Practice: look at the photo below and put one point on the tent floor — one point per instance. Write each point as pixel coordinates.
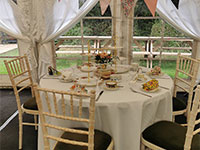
(9, 135)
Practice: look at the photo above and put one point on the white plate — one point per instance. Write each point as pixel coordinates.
(87, 69)
(159, 75)
(140, 79)
(91, 82)
(110, 89)
(121, 69)
(152, 91)
(65, 80)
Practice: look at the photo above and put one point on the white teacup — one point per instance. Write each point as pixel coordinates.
(134, 66)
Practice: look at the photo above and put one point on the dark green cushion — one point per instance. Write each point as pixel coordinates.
(169, 135)
(178, 104)
(181, 119)
(31, 104)
(101, 140)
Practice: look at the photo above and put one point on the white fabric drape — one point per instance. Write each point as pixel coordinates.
(185, 19)
(35, 23)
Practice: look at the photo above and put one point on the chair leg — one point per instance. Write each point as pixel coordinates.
(142, 146)
(20, 130)
(35, 121)
(173, 118)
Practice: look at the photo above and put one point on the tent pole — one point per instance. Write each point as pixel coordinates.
(196, 55)
(53, 53)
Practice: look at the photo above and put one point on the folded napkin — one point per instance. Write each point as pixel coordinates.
(67, 75)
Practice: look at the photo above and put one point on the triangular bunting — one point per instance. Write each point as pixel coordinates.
(176, 3)
(127, 6)
(151, 4)
(104, 5)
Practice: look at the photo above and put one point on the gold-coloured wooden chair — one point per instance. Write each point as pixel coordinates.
(20, 76)
(185, 80)
(52, 104)
(172, 136)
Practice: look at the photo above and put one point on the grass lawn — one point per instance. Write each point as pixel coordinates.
(168, 67)
(10, 53)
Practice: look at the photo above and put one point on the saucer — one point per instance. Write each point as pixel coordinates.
(90, 83)
(87, 69)
(151, 75)
(110, 89)
(65, 80)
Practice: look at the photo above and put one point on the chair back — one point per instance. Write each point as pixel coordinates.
(20, 75)
(185, 76)
(193, 120)
(52, 105)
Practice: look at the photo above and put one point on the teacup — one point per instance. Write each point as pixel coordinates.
(140, 76)
(134, 66)
(111, 84)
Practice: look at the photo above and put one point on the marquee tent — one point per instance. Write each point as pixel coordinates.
(36, 23)
(185, 19)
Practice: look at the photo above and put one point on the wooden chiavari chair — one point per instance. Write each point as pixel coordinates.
(185, 79)
(20, 76)
(52, 105)
(172, 136)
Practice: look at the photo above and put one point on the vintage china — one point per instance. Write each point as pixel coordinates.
(87, 82)
(121, 69)
(134, 66)
(140, 77)
(103, 73)
(86, 68)
(151, 75)
(111, 84)
(110, 89)
(65, 80)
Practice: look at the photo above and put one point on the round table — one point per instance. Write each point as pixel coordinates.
(124, 113)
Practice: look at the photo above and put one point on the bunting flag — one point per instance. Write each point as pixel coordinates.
(151, 4)
(104, 5)
(176, 3)
(127, 6)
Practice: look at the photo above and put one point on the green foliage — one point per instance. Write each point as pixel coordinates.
(142, 27)
(96, 11)
(169, 31)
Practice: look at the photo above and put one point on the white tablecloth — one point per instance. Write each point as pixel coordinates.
(123, 113)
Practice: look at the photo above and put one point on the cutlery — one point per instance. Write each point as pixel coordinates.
(164, 87)
(99, 95)
(140, 93)
(50, 78)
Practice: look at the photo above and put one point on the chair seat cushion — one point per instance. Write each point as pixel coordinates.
(101, 140)
(31, 104)
(178, 104)
(169, 135)
(181, 119)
